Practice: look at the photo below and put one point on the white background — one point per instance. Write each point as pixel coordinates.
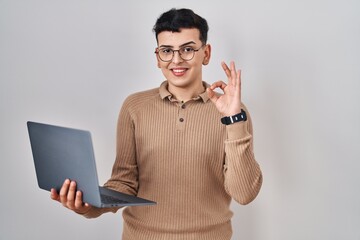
(73, 62)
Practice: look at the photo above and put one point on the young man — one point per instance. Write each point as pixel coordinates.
(182, 145)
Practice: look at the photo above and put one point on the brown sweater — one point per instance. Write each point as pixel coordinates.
(181, 156)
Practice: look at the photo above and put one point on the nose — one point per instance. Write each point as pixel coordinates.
(177, 58)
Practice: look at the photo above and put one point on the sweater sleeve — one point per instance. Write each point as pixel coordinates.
(243, 177)
(124, 177)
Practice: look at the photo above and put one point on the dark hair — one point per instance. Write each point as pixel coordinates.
(175, 19)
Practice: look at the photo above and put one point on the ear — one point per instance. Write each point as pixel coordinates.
(157, 59)
(207, 53)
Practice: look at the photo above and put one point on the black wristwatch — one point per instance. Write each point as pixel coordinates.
(235, 118)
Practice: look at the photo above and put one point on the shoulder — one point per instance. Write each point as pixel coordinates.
(140, 100)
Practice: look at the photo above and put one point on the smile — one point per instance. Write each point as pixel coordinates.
(179, 71)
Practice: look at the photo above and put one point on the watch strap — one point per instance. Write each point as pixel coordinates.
(235, 118)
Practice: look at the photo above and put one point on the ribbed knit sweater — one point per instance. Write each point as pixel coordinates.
(181, 156)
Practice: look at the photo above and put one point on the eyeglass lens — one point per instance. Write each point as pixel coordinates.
(167, 54)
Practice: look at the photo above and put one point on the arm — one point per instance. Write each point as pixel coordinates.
(243, 177)
(124, 174)
(124, 177)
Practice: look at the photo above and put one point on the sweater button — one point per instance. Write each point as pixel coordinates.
(181, 119)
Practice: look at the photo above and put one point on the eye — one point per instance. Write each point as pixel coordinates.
(165, 50)
(187, 50)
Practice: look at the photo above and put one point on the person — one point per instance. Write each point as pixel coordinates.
(182, 144)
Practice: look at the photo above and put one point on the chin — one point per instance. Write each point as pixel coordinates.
(182, 83)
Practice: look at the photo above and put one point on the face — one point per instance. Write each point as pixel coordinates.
(178, 72)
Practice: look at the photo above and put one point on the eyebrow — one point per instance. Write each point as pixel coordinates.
(182, 45)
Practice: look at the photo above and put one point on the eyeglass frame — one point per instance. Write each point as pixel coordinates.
(178, 50)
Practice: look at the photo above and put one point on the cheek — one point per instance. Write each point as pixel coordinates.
(164, 71)
(197, 64)
(158, 62)
(162, 65)
(199, 59)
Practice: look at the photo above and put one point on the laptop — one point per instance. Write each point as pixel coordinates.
(61, 153)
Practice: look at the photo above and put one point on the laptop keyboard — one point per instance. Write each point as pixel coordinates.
(109, 199)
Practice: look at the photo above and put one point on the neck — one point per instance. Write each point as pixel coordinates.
(186, 93)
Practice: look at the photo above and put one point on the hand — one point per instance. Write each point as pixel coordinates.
(70, 198)
(229, 103)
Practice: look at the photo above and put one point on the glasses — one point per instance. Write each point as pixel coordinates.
(167, 54)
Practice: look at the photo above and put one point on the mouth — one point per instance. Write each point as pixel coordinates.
(179, 71)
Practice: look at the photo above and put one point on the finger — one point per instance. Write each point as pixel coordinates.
(80, 206)
(238, 79)
(218, 84)
(78, 200)
(212, 95)
(79, 203)
(230, 72)
(71, 195)
(64, 191)
(54, 195)
(233, 72)
(226, 69)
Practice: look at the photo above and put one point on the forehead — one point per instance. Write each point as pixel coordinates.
(178, 38)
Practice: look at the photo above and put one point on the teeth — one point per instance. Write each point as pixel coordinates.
(179, 70)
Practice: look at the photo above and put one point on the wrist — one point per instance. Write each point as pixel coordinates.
(239, 117)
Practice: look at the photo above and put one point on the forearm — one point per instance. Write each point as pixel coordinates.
(243, 177)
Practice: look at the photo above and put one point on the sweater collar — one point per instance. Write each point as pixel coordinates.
(164, 92)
